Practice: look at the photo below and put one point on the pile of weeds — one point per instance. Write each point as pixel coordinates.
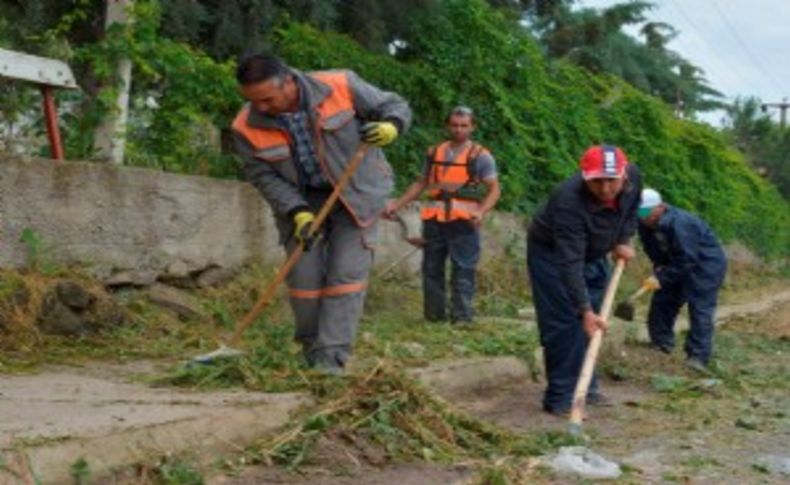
(275, 365)
(273, 361)
(21, 296)
(386, 409)
(151, 332)
(20, 299)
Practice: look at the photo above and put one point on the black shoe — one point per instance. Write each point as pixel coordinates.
(329, 371)
(695, 364)
(559, 412)
(326, 364)
(600, 400)
(434, 319)
(666, 349)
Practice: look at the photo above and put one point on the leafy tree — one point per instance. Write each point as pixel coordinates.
(227, 28)
(536, 114)
(765, 144)
(595, 39)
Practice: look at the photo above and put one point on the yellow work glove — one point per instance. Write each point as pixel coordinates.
(651, 283)
(302, 222)
(379, 133)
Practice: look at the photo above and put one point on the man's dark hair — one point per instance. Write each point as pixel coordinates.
(260, 67)
(461, 110)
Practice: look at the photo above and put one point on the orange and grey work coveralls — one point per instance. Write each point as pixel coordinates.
(327, 286)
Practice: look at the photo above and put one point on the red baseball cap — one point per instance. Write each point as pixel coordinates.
(603, 161)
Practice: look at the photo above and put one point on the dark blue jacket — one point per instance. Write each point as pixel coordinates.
(578, 229)
(683, 248)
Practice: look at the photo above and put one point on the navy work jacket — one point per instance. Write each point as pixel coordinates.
(683, 248)
(579, 229)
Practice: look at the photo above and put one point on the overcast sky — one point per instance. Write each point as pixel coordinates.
(742, 45)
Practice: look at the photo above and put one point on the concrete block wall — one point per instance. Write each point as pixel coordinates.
(121, 218)
(145, 223)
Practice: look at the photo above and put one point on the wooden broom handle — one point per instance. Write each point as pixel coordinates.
(583, 384)
(293, 258)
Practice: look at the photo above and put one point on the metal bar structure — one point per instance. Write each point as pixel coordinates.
(51, 119)
(47, 74)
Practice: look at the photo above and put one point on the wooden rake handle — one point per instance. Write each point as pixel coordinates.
(293, 258)
(583, 384)
(641, 291)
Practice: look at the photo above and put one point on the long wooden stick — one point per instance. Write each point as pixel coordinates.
(641, 291)
(293, 258)
(583, 384)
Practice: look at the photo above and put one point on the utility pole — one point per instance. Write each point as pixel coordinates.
(783, 107)
(109, 139)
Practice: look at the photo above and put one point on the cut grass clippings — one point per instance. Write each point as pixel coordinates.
(385, 408)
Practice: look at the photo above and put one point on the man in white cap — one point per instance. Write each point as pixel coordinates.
(688, 267)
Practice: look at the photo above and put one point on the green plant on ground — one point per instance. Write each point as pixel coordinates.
(80, 472)
(386, 408)
(38, 254)
(176, 471)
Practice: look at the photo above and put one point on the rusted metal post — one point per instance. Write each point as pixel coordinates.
(51, 117)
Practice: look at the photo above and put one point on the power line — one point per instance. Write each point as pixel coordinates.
(707, 45)
(743, 46)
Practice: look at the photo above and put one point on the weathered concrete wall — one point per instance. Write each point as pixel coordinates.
(134, 224)
(120, 218)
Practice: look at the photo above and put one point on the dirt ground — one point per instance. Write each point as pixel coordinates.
(401, 474)
(706, 433)
(668, 424)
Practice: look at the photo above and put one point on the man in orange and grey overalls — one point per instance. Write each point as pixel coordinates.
(461, 183)
(296, 135)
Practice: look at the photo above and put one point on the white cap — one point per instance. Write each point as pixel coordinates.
(650, 199)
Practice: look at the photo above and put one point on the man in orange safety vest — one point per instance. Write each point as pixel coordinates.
(460, 181)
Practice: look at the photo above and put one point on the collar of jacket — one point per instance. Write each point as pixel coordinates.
(667, 218)
(312, 92)
(594, 205)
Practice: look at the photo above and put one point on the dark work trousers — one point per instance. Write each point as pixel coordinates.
(561, 333)
(664, 309)
(461, 241)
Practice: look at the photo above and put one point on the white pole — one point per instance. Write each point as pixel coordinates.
(110, 136)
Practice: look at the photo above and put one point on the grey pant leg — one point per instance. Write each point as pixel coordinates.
(305, 282)
(349, 257)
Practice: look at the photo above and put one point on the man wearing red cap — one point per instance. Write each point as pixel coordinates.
(586, 217)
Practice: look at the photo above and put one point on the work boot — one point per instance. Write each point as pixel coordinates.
(462, 322)
(599, 399)
(663, 348)
(558, 412)
(334, 371)
(695, 364)
(327, 365)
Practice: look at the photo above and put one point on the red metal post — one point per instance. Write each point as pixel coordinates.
(51, 117)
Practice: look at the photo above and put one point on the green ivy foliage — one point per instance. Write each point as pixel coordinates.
(539, 116)
(182, 99)
(536, 115)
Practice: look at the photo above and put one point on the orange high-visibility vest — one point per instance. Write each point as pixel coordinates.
(445, 178)
(278, 141)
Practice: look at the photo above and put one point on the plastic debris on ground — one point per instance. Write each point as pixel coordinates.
(580, 460)
(776, 464)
